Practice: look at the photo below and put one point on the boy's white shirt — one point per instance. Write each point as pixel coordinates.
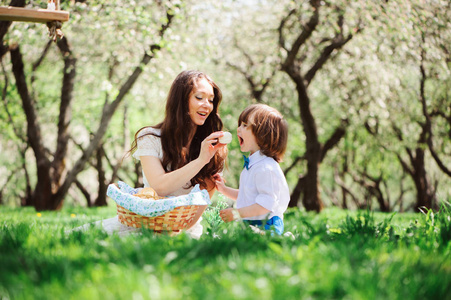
(265, 184)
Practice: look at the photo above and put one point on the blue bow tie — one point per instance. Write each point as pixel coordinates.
(246, 162)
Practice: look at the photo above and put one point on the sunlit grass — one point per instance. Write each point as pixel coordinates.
(336, 254)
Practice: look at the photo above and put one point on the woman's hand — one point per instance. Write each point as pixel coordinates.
(207, 150)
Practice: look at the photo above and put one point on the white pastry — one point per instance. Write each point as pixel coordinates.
(226, 138)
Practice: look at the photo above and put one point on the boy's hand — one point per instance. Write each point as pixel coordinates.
(220, 183)
(229, 214)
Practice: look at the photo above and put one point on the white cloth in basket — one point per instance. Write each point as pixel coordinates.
(153, 208)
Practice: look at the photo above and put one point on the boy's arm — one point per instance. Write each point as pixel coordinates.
(230, 214)
(252, 211)
(230, 192)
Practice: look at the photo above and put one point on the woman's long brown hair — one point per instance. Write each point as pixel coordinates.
(177, 125)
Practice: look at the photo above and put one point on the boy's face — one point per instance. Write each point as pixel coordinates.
(248, 142)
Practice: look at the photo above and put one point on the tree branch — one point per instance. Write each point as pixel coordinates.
(337, 43)
(38, 63)
(302, 38)
(342, 185)
(246, 55)
(84, 191)
(281, 27)
(65, 112)
(334, 138)
(293, 164)
(428, 124)
(404, 165)
(5, 103)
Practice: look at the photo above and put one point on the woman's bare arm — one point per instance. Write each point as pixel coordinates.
(165, 183)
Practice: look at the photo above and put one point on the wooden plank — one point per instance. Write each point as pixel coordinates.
(21, 14)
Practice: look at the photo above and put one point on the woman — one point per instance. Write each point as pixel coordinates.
(183, 150)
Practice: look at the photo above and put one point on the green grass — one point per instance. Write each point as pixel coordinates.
(336, 255)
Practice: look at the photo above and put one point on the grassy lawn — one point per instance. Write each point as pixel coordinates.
(336, 255)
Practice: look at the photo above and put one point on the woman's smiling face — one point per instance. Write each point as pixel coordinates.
(201, 101)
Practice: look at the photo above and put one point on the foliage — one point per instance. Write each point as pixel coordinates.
(335, 254)
(373, 82)
(211, 214)
(97, 94)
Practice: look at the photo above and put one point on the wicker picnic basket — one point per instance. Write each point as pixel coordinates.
(172, 221)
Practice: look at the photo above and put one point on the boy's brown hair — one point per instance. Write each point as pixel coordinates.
(269, 128)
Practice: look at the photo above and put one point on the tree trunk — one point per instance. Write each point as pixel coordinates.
(27, 200)
(425, 195)
(311, 196)
(297, 192)
(383, 204)
(315, 152)
(139, 180)
(43, 191)
(417, 171)
(344, 192)
(101, 197)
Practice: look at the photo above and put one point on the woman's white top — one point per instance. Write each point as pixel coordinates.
(265, 184)
(149, 144)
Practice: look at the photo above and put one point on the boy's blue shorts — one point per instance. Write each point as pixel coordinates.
(275, 223)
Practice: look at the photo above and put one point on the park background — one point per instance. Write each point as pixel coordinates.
(364, 85)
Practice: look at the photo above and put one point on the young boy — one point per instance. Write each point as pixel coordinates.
(263, 195)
